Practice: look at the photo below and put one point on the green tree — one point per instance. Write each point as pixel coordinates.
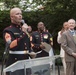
(52, 12)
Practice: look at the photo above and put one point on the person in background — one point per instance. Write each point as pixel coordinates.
(68, 44)
(29, 30)
(38, 37)
(20, 45)
(62, 52)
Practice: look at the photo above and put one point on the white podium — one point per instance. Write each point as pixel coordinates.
(36, 65)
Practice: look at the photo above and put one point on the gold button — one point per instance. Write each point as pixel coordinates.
(15, 58)
(25, 43)
(20, 35)
(25, 47)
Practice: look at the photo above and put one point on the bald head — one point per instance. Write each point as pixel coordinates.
(13, 10)
(16, 15)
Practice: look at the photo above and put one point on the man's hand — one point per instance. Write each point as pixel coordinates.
(32, 54)
(74, 54)
(42, 46)
(24, 28)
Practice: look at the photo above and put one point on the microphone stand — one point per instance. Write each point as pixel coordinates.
(4, 57)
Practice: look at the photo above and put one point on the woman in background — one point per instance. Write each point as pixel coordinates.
(62, 52)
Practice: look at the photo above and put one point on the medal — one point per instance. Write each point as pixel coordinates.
(45, 36)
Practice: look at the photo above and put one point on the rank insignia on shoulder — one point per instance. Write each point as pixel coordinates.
(7, 37)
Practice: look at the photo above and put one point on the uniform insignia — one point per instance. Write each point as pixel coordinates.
(45, 36)
(36, 35)
(7, 37)
(16, 33)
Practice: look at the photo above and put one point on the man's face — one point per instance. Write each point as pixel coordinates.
(29, 29)
(41, 26)
(71, 24)
(16, 16)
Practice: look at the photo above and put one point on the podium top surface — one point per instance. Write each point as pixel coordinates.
(30, 63)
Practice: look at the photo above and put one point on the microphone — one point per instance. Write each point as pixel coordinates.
(24, 24)
(22, 21)
(26, 27)
(7, 46)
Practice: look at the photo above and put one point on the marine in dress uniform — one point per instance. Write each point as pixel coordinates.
(38, 37)
(20, 43)
(19, 52)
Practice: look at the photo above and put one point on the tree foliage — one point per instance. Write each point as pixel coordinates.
(52, 12)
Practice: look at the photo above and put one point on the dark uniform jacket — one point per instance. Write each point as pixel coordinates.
(37, 38)
(23, 43)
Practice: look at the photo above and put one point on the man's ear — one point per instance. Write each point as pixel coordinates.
(11, 17)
